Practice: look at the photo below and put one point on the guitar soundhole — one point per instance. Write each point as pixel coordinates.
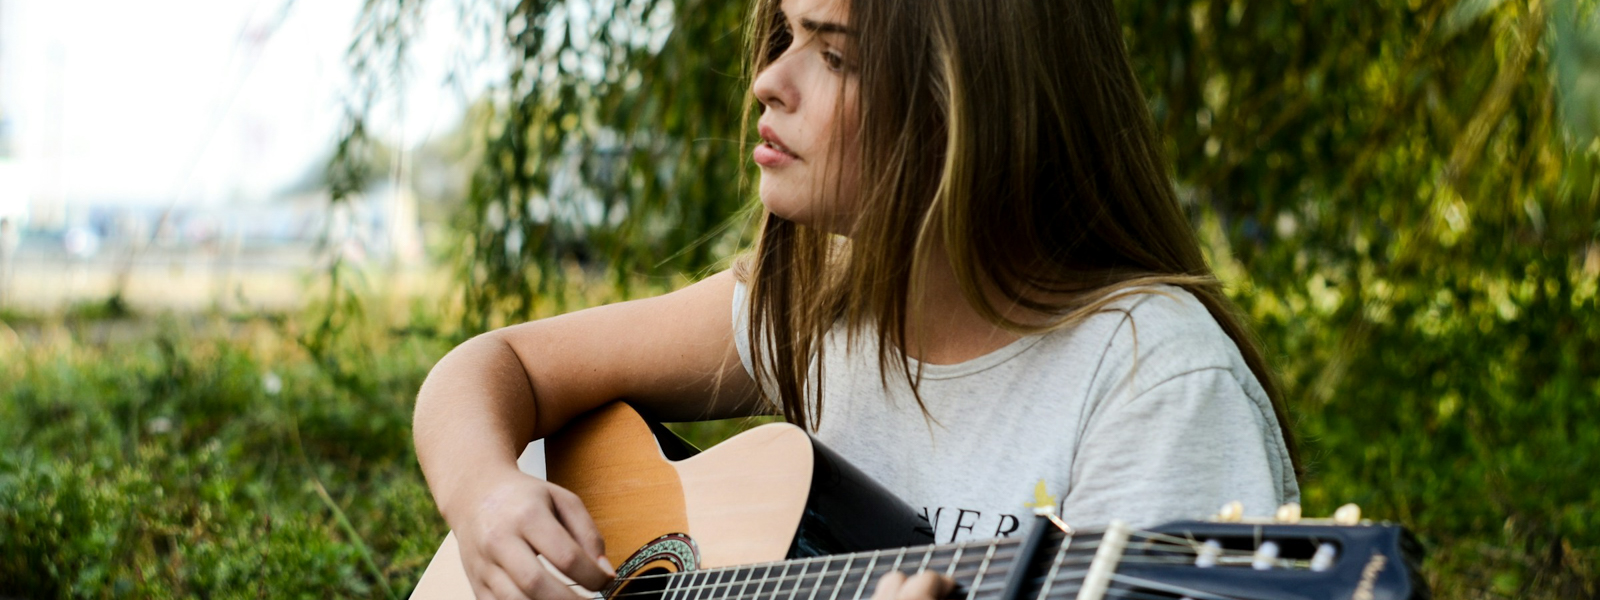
(645, 574)
(647, 584)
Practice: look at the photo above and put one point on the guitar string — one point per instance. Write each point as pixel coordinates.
(1068, 590)
(1080, 552)
(859, 578)
(936, 563)
(1177, 546)
(1151, 542)
(1010, 548)
(848, 577)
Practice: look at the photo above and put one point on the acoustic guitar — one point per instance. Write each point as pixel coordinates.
(770, 514)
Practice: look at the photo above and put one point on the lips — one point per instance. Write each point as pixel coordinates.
(773, 152)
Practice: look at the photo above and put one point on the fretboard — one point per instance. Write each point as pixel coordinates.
(981, 569)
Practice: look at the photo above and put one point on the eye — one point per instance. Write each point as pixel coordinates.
(834, 60)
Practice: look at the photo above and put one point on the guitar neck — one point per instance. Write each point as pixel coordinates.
(980, 568)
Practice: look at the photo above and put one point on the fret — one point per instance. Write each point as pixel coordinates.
(673, 589)
(820, 575)
(898, 558)
(694, 587)
(799, 579)
(710, 591)
(777, 586)
(1055, 566)
(982, 569)
(766, 576)
(867, 575)
(925, 558)
(748, 577)
(744, 584)
(955, 560)
(843, 573)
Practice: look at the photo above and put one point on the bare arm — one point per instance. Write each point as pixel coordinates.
(672, 355)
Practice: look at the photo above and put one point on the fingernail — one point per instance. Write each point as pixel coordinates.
(605, 565)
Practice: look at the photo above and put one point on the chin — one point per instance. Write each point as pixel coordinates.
(785, 203)
(799, 206)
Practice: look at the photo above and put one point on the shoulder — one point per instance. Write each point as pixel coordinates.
(1156, 333)
(1169, 367)
(1161, 339)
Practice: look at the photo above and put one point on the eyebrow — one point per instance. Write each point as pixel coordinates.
(816, 27)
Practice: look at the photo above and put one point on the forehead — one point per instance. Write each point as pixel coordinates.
(834, 11)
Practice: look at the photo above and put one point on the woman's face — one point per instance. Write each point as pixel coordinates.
(809, 127)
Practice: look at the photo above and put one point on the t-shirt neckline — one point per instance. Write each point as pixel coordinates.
(981, 363)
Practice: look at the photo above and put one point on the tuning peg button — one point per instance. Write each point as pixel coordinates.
(1347, 515)
(1232, 512)
(1289, 513)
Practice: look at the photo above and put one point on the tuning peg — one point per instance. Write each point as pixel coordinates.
(1347, 515)
(1266, 556)
(1323, 559)
(1206, 557)
(1289, 513)
(1232, 512)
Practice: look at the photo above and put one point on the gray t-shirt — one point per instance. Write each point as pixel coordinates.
(1064, 418)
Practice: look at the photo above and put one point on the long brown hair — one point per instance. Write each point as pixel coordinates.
(1012, 135)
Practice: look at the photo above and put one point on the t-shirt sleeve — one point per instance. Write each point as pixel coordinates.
(1178, 450)
(741, 326)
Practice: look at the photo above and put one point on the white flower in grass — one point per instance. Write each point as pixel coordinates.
(272, 383)
(159, 425)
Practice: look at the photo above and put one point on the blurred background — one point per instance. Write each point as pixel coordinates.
(234, 235)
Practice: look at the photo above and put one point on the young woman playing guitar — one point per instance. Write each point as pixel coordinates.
(974, 281)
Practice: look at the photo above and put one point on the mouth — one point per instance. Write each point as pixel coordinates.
(771, 140)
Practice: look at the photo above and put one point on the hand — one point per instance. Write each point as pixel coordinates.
(515, 518)
(926, 585)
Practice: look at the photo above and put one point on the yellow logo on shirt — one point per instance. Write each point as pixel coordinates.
(1041, 497)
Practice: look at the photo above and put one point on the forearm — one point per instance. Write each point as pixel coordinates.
(475, 413)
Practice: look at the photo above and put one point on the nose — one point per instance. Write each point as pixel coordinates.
(774, 87)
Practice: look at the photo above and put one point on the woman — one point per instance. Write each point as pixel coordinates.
(973, 281)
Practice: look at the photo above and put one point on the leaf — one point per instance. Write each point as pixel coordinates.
(1464, 14)
(1575, 59)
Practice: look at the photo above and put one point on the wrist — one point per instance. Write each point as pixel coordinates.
(465, 495)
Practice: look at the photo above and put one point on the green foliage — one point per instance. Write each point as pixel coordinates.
(612, 138)
(187, 462)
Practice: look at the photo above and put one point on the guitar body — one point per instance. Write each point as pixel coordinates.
(768, 494)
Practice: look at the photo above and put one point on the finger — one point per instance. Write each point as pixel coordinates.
(575, 516)
(480, 589)
(926, 585)
(889, 586)
(499, 587)
(552, 541)
(530, 577)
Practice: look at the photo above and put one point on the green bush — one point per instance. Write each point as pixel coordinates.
(187, 462)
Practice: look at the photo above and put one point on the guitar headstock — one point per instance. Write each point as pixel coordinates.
(1284, 557)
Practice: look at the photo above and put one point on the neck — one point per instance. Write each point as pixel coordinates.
(853, 576)
(945, 328)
